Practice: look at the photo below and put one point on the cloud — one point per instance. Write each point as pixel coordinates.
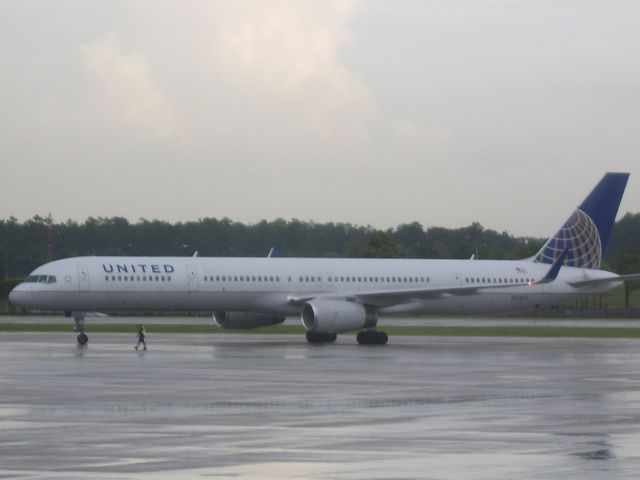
(259, 98)
(285, 56)
(127, 92)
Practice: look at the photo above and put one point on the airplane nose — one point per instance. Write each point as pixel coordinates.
(17, 296)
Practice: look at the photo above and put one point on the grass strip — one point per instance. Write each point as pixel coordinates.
(455, 331)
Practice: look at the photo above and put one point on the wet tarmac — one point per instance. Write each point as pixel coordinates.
(272, 406)
(434, 321)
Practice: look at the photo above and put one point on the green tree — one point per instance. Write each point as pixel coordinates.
(626, 263)
(382, 245)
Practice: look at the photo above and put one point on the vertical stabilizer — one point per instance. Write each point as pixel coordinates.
(584, 236)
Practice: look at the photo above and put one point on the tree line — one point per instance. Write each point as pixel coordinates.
(24, 245)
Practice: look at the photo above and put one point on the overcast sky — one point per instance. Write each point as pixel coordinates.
(370, 112)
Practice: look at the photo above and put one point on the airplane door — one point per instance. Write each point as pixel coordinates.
(457, 279)
(192, 272)
(83, 277)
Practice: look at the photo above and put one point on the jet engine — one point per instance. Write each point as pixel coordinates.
(244, 320)
(335, 316)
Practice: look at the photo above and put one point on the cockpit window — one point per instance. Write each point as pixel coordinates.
(40, 279)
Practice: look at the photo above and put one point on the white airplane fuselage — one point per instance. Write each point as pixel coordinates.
(278, 286)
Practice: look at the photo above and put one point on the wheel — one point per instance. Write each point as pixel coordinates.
(82, 339)
(372, 337)
(321, 337)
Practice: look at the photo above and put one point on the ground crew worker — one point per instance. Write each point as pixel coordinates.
(141, 334)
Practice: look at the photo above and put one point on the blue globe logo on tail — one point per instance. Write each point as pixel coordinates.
(584, 236)
(580, 238)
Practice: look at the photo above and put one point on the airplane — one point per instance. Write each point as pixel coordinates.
(336, 295)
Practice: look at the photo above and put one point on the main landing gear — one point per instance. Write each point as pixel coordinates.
(372, 337)
(321, 337)
(365, 337)
(78, 317)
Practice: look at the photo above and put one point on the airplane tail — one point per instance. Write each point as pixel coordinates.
(583, 237)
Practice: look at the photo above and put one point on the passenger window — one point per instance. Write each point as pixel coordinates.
(106, 278)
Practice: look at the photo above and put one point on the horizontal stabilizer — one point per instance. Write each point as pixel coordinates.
(603, 281)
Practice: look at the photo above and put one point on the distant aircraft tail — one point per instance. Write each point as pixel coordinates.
(584, 236)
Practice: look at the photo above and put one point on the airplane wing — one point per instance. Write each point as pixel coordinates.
(385, 298)
(388, 298)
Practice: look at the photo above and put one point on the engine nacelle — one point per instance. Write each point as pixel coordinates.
(244, 320)
(335, 316)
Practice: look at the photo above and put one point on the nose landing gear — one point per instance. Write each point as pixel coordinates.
(78, 317)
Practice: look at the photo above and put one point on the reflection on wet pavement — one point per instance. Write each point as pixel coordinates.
(274, 407)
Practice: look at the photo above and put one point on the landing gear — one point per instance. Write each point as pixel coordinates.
(372, 337)
(321, 337)
(78, 317)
